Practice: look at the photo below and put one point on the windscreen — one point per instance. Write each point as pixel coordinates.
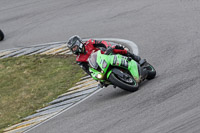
(92, 60)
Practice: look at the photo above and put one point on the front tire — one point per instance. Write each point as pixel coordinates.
(123, 85)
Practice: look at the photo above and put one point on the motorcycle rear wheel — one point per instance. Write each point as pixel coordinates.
(123, 85)
(151, 72)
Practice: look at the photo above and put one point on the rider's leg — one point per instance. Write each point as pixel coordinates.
(136, 58)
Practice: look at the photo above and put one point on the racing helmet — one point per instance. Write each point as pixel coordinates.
(75, 44)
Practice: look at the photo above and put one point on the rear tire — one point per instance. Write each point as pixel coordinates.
(125, 86)
(1, 35)
(151, 72)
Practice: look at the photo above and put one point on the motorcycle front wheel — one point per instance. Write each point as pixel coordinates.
(117, 81)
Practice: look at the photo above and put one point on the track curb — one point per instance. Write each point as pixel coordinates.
(84, 89)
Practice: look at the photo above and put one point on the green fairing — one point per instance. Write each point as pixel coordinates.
(109, 59)
(108, 74)
(133, 68)
(94, 73)
(101, 58)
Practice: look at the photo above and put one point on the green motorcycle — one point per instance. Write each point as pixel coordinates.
(119, 70)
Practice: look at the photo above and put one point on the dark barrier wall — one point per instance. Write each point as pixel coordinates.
(1, 35)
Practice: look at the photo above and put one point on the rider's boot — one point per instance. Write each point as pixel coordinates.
(136, 58)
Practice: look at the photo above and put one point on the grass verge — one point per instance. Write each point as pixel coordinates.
(27, 83)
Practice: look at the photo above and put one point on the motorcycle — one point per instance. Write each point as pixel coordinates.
(118, 70)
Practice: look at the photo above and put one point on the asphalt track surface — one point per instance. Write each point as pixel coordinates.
(167, 33)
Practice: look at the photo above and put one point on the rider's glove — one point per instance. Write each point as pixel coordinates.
(119, 47)
(133, 56)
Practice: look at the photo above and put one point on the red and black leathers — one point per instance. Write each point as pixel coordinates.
(91, 46)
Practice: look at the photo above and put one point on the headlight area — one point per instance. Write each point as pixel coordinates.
(99, 76)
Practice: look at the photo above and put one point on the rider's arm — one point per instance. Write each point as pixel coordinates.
(99, 44)
(119, 49)
(84, 66)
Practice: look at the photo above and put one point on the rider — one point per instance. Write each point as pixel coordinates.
(83, 50)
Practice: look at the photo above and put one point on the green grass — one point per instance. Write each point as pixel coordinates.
(27, 83)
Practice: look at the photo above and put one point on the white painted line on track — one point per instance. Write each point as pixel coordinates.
(43, 44)
(63, 111)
